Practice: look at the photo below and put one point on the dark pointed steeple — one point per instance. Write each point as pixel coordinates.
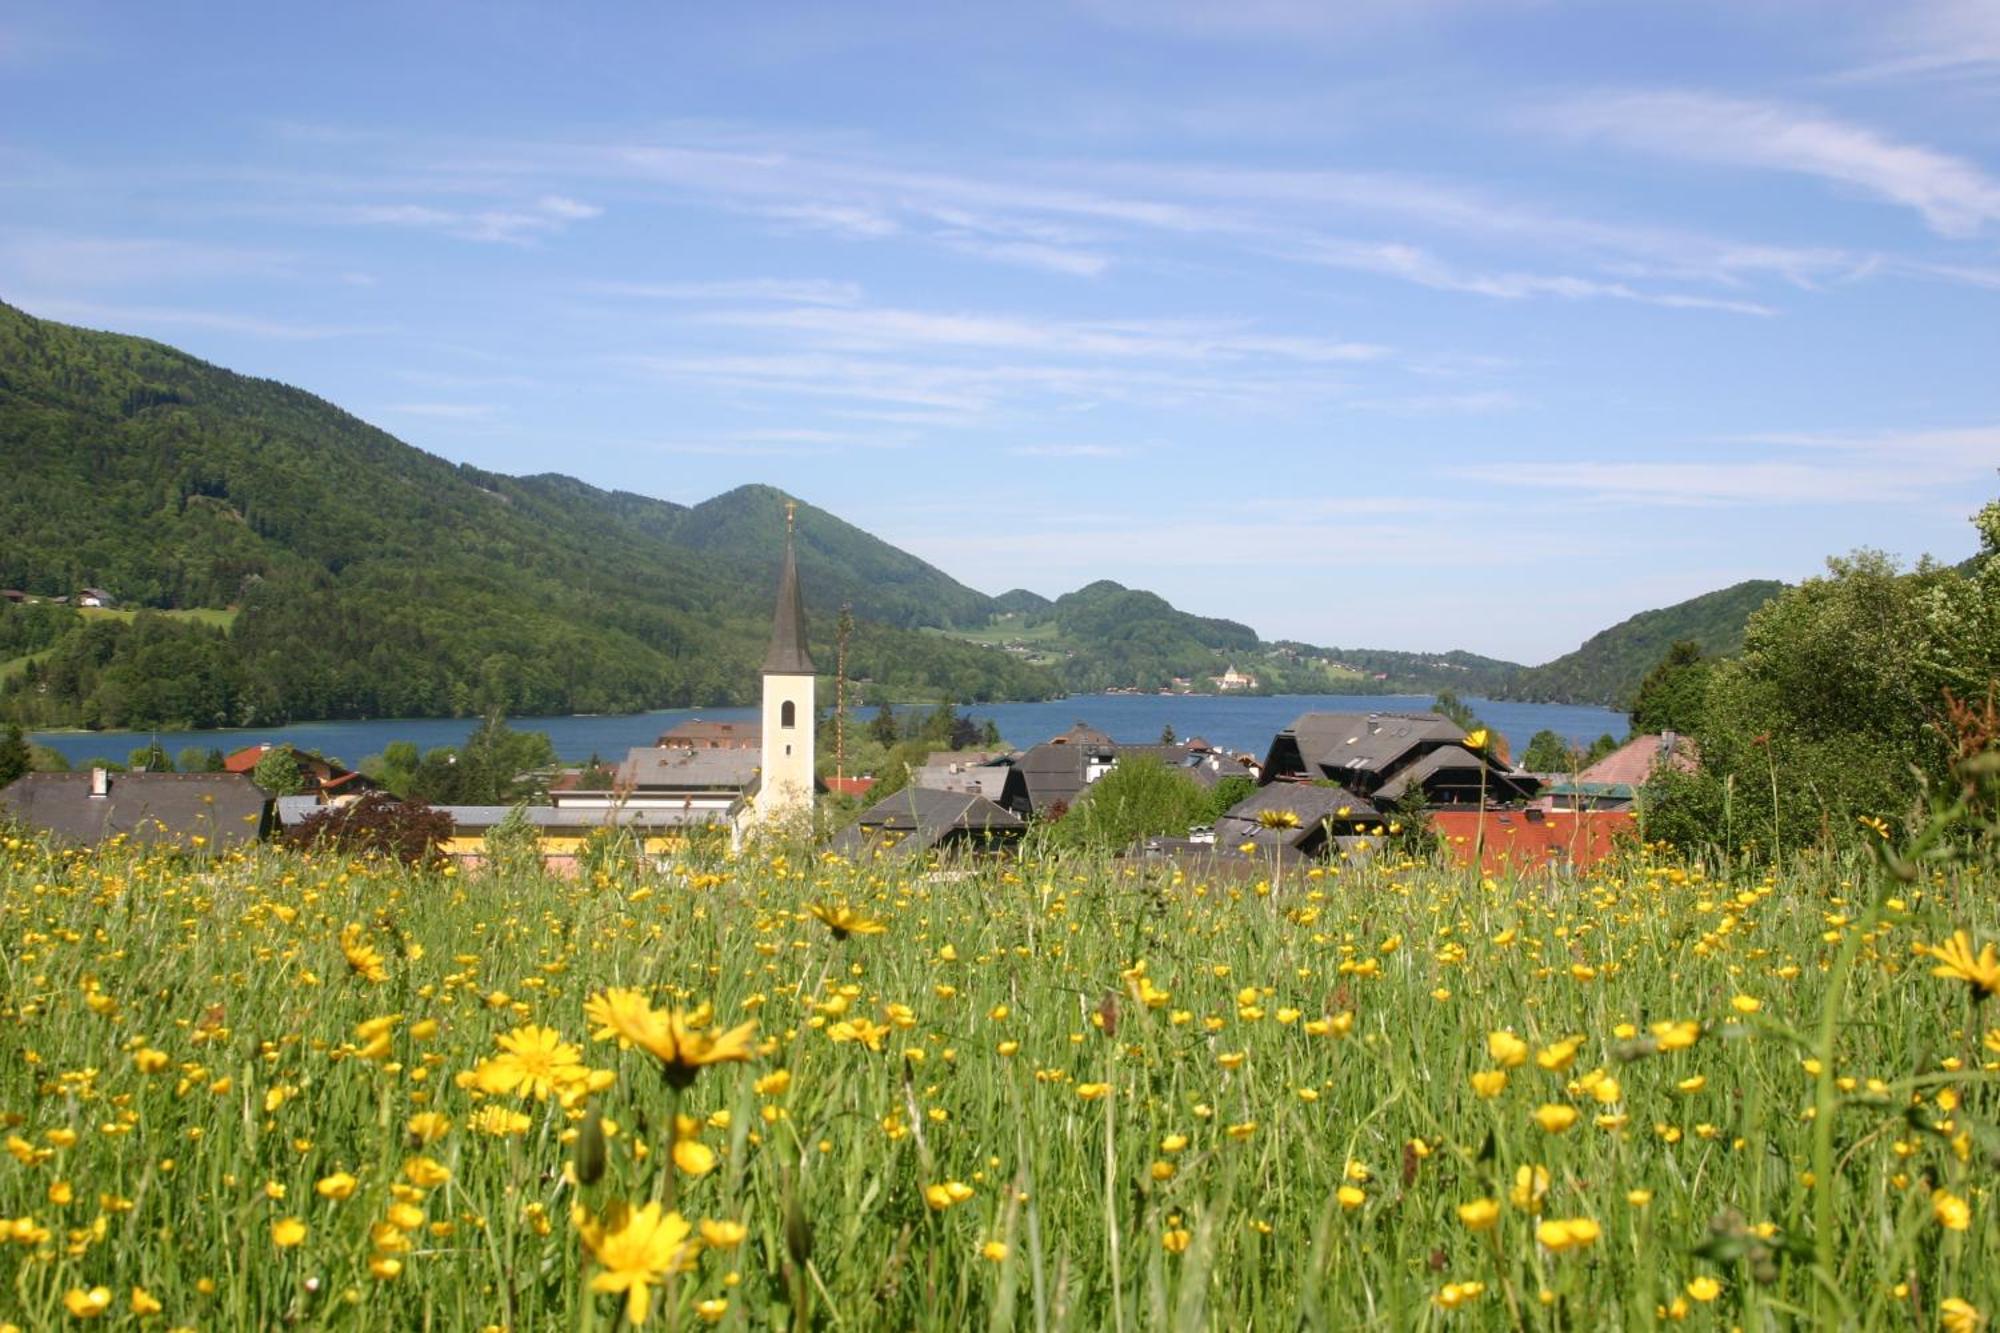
(788, 655)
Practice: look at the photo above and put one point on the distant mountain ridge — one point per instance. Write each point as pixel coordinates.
(366, 578)
(1609, 665)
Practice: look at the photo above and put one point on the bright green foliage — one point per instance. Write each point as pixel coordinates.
(1548, 752)
(1836, 705)
(1673, 695)
(1140, 798)
(1610, 665)
(278, 772)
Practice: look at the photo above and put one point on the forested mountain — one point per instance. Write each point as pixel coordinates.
(1608, 667)
(373, 579)
(1107, 636)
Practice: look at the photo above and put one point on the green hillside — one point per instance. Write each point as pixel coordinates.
(1608, 667)
(1107, 636)
(373, 579)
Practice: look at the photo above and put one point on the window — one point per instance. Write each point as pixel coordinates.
(788, 715)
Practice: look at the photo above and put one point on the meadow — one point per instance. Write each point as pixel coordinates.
(264, 1091)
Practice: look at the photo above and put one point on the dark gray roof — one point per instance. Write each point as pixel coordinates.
(916, 819)
(1367, 742)
(988, 780)
(1313, 805)
(651, 766)
(1445, 758)
(227, 809)
(921, 808)
(788, 655)
(1044, 775)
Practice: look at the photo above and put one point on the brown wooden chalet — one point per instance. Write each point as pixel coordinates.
(1381, 757)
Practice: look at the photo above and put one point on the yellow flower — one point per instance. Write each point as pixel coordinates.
(1952, 1212)
(144, 1303)
(337, 1186)
(363, 960)
(1454, 1294)
(1555, 1118)
(1479, 1214)
(1676, 1036)
(1956, 960)
(532, 1060)
(722, 1235)
(1530, 1184)
(994, 1251)
(1959, 1316)
(1091, 1092)
(1489, 1083)
(287, 1232)
(1507, 1050)
(1704, 1289)
(1558, 1057)
(713, 1309)
(1476, 739)
(694, 1157)
(428, 1126)
(1176, 1240)
(1277, 819)
(425, 1173)
(941, 1197)
(682, 1045)
(385, 1267)
(1351, 1196)
(635, 1249)
(87, 1304)
(1571, 1234)
(843, 920)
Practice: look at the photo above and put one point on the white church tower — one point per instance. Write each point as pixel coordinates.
(785, 789)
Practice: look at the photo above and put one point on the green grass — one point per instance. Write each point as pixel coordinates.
(221, 617)
(1301, 1037)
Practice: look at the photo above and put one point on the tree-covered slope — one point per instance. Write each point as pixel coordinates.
(1608, 667)
(375, 579)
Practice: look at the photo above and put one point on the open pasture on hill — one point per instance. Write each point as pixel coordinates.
(775, 1091)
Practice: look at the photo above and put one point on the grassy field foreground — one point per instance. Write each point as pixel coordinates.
(268, 1091)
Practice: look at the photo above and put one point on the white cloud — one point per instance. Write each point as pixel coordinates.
(547, 216)
(1953, 195)
(788, 291)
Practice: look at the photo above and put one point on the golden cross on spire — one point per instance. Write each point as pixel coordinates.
(791, 515)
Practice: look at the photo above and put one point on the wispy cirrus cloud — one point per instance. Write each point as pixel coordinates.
(1860, 467)
(789, 291)
(1954, 196)
(516, 225)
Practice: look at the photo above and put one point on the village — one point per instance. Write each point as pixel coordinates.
(1330, 788)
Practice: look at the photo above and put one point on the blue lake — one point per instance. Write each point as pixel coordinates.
(1235, 722)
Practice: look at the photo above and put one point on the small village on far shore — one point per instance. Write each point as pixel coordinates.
(1331, 788)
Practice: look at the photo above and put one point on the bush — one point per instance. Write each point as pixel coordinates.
(378, 825)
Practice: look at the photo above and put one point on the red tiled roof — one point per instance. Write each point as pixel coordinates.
(1515, 842)
(245, 759)
(1633, 762)
(849, 786)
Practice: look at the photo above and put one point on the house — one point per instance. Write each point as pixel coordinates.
(917, 820)
(94, 597)
(13, 595)
(1058, 771)
(1298, 816)
(1384, 756)
(1523, 842)
(1232, 679)
(209, 811)
(1615, 781)
(981, 772)
(326, 781)
(696, 734)
(656, 777)
(562, 835)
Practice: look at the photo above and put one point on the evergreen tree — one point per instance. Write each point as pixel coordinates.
(883, 725)
(1548, 753)
(15, 757)
(1674, 693)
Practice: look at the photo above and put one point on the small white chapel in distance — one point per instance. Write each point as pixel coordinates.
(785, 781)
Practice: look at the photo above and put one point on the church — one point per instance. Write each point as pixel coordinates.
(785, 778)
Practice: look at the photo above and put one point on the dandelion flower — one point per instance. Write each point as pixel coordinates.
(1956, 960)
(532, 1060)
(843, 920)
(635, 1249)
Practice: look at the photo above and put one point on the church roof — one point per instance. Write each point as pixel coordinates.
(788, 655)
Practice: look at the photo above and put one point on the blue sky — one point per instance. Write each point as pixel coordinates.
(1396, 323)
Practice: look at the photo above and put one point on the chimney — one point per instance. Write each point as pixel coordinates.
(100, 782)
(1667, 739)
